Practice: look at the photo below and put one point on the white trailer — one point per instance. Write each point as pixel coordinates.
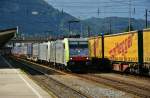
(35, 52)
(29, 50)
(43, 51)
(48, 51)
(52, 52)
(60, 52)
(16, 50)
(23, 52)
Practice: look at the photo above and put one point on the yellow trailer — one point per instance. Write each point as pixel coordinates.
(95, 47)
(127, 52)
(96, 52)
(146, 45)
(122, 50)
(121, 47)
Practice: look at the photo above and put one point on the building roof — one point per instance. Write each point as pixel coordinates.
(6, 35)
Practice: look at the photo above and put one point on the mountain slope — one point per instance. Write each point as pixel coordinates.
(115, 24)
(33, 16)
(37, 17)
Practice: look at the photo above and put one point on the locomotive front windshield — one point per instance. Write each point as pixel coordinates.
(78, 48)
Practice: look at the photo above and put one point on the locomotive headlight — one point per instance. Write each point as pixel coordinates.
(70, 58)
(87, 58)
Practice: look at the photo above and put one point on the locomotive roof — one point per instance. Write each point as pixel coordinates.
(77, 39)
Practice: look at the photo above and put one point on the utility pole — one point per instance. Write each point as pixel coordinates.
(69, 27)
(98, 12)
(110, 31)
(17, 33)
(134, 11)
(129, 15)
(88, 29)
(81, 29)
(70, 22)
(146, 15)
(62, 11)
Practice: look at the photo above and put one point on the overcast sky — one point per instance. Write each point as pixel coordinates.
(89, 8)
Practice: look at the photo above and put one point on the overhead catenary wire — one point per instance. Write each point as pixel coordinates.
(107, 7)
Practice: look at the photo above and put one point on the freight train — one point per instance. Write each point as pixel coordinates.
(69, 53)
(124, 52)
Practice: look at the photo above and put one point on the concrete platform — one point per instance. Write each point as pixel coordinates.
(15, 84)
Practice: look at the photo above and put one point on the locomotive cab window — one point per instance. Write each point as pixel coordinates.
(78, 48)
(83, 44)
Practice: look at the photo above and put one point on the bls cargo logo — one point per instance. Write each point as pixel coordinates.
(121, 48)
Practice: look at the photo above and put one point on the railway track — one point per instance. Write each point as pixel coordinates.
(133, 88)
(59, 89)
(137, 85)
